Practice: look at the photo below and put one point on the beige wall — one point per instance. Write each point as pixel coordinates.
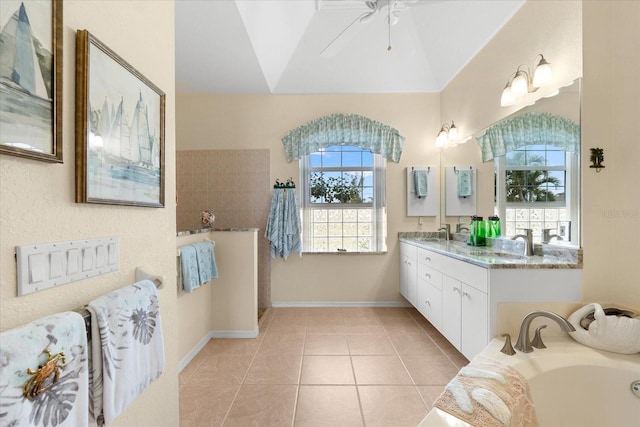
(604, 37)
(610, 113)
(38, 205)
(207, 122)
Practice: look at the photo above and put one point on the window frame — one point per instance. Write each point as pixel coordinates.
(572, 194)
(377, 206)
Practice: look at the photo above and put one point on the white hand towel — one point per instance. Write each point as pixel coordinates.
(129, 353)
(66, 402)
(465, 187)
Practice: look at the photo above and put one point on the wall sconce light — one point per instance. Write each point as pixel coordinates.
(523, 82)
(448, 134)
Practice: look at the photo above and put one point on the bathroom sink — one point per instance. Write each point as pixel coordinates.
(428, 239)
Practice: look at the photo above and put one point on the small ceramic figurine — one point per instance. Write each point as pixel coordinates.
(207, 218)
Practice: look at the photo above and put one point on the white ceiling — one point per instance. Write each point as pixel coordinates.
(274, 46)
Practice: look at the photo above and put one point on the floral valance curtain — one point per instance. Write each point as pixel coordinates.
(344, 129)
(533, 128)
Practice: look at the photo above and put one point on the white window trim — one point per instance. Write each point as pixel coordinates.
(378, 206)
(572, 194)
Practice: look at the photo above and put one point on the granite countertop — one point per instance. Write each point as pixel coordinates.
(209, 229)
(495, 256)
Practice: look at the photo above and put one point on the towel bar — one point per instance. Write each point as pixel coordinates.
(140, 275)
(204, 240)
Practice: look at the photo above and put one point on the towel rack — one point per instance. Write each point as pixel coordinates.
(456, 170)
(288, 184)
(204, 240)
(140, 275)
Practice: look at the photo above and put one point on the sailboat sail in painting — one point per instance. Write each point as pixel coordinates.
(26, 99)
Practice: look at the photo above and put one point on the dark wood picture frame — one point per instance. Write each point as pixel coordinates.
(31, 91)
(120, 121)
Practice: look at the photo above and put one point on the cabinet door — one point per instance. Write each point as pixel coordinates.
(408, 273)
(474, 321)
(451, 306)
(403, 276)
(430, 303)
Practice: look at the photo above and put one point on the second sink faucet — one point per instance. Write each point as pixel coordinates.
(524, 343)
(528, 239)
(446, 228)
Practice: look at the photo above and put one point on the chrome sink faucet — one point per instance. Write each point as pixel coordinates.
(528, 239)
(523, 343)
(547, 236)
(446, 228)
(460, 228)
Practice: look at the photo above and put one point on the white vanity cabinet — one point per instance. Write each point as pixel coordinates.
(408, 272)
(461, 298)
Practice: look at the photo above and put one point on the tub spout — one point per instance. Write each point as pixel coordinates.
(523, 343)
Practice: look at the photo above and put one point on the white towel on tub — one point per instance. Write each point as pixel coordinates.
(66, 402)
(129, 353)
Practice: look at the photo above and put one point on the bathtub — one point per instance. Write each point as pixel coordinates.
(571, 385)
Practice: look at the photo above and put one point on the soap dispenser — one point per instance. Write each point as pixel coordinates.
(477, 232)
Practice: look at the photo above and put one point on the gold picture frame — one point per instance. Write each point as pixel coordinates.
(120, 120)
(31, 88)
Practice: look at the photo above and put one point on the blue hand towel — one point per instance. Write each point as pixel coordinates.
(190, 271)
(420, 183)
(207, 268)
(465, 189)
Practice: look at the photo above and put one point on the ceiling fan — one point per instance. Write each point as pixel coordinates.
(390, 8)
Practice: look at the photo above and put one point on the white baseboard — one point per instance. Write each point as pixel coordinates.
(214, 334)
(337, 304)
(194, 352)
(234, 334)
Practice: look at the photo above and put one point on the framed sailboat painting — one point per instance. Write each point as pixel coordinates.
(119, 130)
(31, 79)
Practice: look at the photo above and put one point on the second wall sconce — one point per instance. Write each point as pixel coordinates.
(523, 81)
(448, 134)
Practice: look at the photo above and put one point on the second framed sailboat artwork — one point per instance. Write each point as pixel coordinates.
(119, 130)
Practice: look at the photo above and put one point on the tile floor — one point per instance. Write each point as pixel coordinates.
(321, 367)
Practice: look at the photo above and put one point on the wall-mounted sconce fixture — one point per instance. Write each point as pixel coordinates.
(597, 157)
(448, 135)
(523, 82)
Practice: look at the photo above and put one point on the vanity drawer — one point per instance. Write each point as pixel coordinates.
(431, 259)
(428, 274)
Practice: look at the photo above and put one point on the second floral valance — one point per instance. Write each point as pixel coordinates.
(533, 128)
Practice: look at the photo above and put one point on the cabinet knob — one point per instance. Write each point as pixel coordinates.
(456, 289)
(427, 259)
(428, 302)
(428, 275)
(466, 294)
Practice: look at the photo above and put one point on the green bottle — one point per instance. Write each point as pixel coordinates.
(494, 227)
(477, 232)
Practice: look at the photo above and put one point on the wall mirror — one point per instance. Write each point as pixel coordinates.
(536, 152)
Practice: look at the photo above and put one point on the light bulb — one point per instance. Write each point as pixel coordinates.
(520, 84)
(507, 98)
(453, 132)
(542, 74)
(441, 139)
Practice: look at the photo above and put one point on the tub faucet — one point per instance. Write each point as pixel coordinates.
(446, 228)
(523, 343)
(528, 239)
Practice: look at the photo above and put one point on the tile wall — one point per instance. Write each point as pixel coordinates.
(235, 186)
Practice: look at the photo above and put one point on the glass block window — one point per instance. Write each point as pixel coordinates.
(343, 210)
(536, 188)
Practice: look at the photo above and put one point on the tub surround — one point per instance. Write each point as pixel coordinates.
(499, 253)
(565, 367)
